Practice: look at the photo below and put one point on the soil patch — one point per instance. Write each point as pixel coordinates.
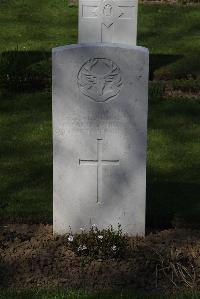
(31, 257)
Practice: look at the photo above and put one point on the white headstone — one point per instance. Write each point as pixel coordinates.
(99, 136)
(109, 21)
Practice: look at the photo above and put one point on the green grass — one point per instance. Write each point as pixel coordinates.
(31, 294)
(41, 25)
(36, 25)
(173, 162)
(26, 157)
(170, 32)
(169, 29)
(29, 29)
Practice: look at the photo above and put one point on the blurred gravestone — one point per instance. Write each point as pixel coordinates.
(112, 21)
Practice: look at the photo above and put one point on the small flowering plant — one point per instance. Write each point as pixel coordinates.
(99, 244)
(70, 238)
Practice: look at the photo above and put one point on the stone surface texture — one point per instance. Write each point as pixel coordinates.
(109, 21)
(100, 100)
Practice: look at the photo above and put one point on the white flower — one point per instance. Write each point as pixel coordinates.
(82, 229)
(70, 238)
(100, 237)
(114, 247)
(79, 247)
(82, 247)
(94, 225)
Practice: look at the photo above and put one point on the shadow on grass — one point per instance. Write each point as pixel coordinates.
(172, 204)
(173, 180)
(25, 70)
(26, 146)
(157, 61)
(26, 157)
(31, 70)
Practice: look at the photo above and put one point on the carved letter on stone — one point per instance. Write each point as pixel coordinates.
(99, 79)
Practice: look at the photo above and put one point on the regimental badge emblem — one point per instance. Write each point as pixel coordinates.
(100, 79)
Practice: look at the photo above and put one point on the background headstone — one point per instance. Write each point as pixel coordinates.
(112, 21)
(99, 136)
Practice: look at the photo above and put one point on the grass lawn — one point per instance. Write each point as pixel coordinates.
(85, 295)
(29, 30)
(42, 25)
(26, 157)
(173, 162)
(170, 32)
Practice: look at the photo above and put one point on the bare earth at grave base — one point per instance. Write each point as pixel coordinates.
(31, 257)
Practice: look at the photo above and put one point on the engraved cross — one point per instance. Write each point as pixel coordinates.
(98, 163)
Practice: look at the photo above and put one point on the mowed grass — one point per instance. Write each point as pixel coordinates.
(35, 294)
(26, 157)
(42, 25)
(36, 25)
(173, 164)
(171, 33)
